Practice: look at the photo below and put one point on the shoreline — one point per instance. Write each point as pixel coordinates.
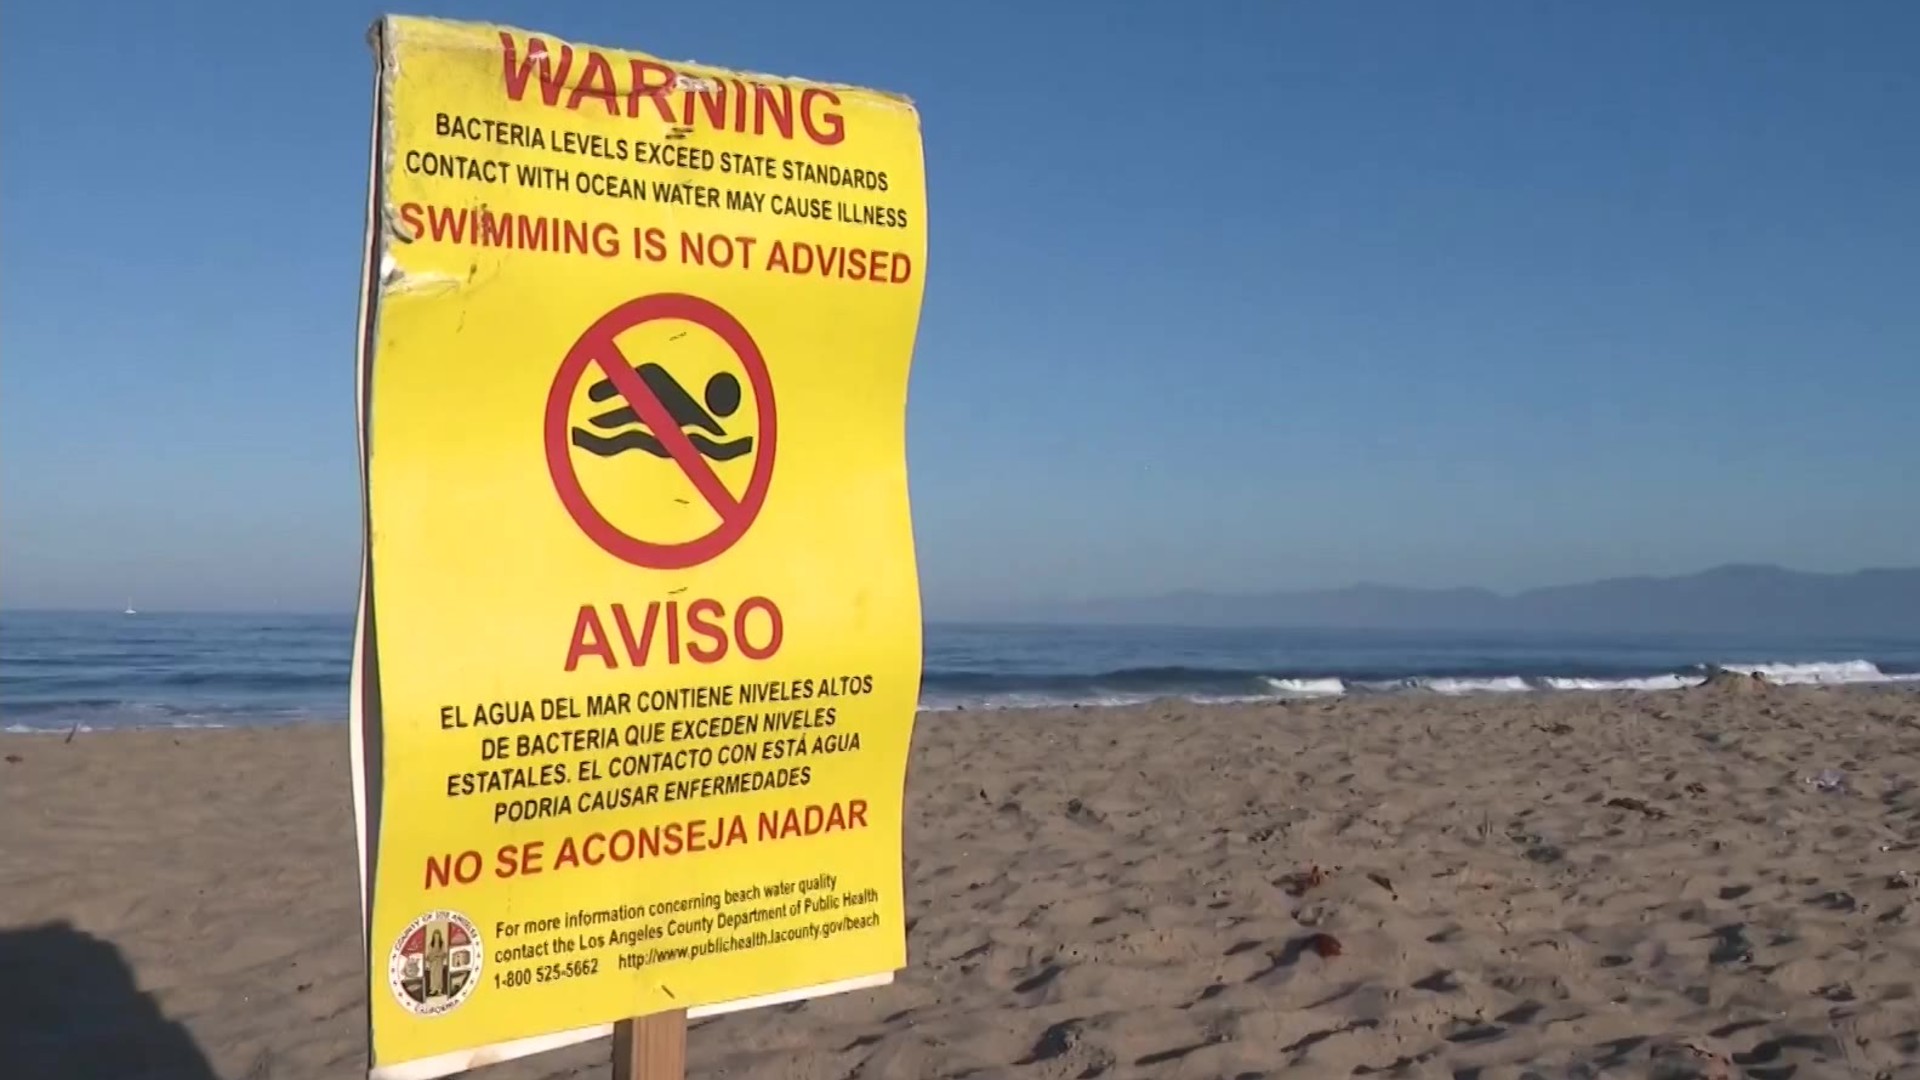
(1900, 683)
(1556, 882)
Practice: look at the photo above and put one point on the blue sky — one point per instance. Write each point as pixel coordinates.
(1220, 295)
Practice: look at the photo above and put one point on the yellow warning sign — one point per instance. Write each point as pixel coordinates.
(639, 647)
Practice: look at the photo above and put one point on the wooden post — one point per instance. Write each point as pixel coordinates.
(651, 1047)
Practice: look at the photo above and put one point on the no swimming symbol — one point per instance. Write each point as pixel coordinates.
(654, 416)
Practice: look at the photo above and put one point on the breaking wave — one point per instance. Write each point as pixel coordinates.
(99, 714)
(1846, 671)
(1132, 686)
(1649, 682)
(1307, 687)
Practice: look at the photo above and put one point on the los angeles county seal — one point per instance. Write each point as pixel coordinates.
(436, 963)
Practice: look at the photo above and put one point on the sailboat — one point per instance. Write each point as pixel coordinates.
(130, 610)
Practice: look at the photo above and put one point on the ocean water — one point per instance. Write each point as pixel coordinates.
(98, 671)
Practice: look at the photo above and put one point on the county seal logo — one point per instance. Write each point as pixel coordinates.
(436, 963)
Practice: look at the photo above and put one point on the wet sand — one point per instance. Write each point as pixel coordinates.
(1581, 884)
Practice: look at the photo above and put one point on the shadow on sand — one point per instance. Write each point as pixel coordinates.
(69, 1008)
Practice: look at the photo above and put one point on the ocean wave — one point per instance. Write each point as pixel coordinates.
(1842, 672)
(1135, 686)
(105, 715)
(1327, 687)
(250, 699)
(1643, 683)
(1159, 675)
(177, 725)
(1452, 687)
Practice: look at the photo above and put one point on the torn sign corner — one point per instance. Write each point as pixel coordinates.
(398, 280)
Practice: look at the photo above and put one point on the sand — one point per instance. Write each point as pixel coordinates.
(1567, 885)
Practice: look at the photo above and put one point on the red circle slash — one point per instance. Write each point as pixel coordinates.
(597, 348)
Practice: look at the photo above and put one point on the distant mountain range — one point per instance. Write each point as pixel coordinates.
(1726, 599)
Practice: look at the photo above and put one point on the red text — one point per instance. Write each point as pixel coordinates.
(699, 630)
(813, 820)
(574, 79)
(463, 868)
(480, 227)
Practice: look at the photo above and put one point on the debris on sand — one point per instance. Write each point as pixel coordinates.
(1638, 806)
(1828, 780)
(1712, 1061)
(1304, 882)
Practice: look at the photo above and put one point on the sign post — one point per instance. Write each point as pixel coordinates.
(650, 1047)
(638, 652)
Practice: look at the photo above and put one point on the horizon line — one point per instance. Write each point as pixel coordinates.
(1015, 616)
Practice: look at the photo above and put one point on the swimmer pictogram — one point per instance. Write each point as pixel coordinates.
(653, 416)
(629, 431)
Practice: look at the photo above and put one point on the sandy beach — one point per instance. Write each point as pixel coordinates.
(1499, 886)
